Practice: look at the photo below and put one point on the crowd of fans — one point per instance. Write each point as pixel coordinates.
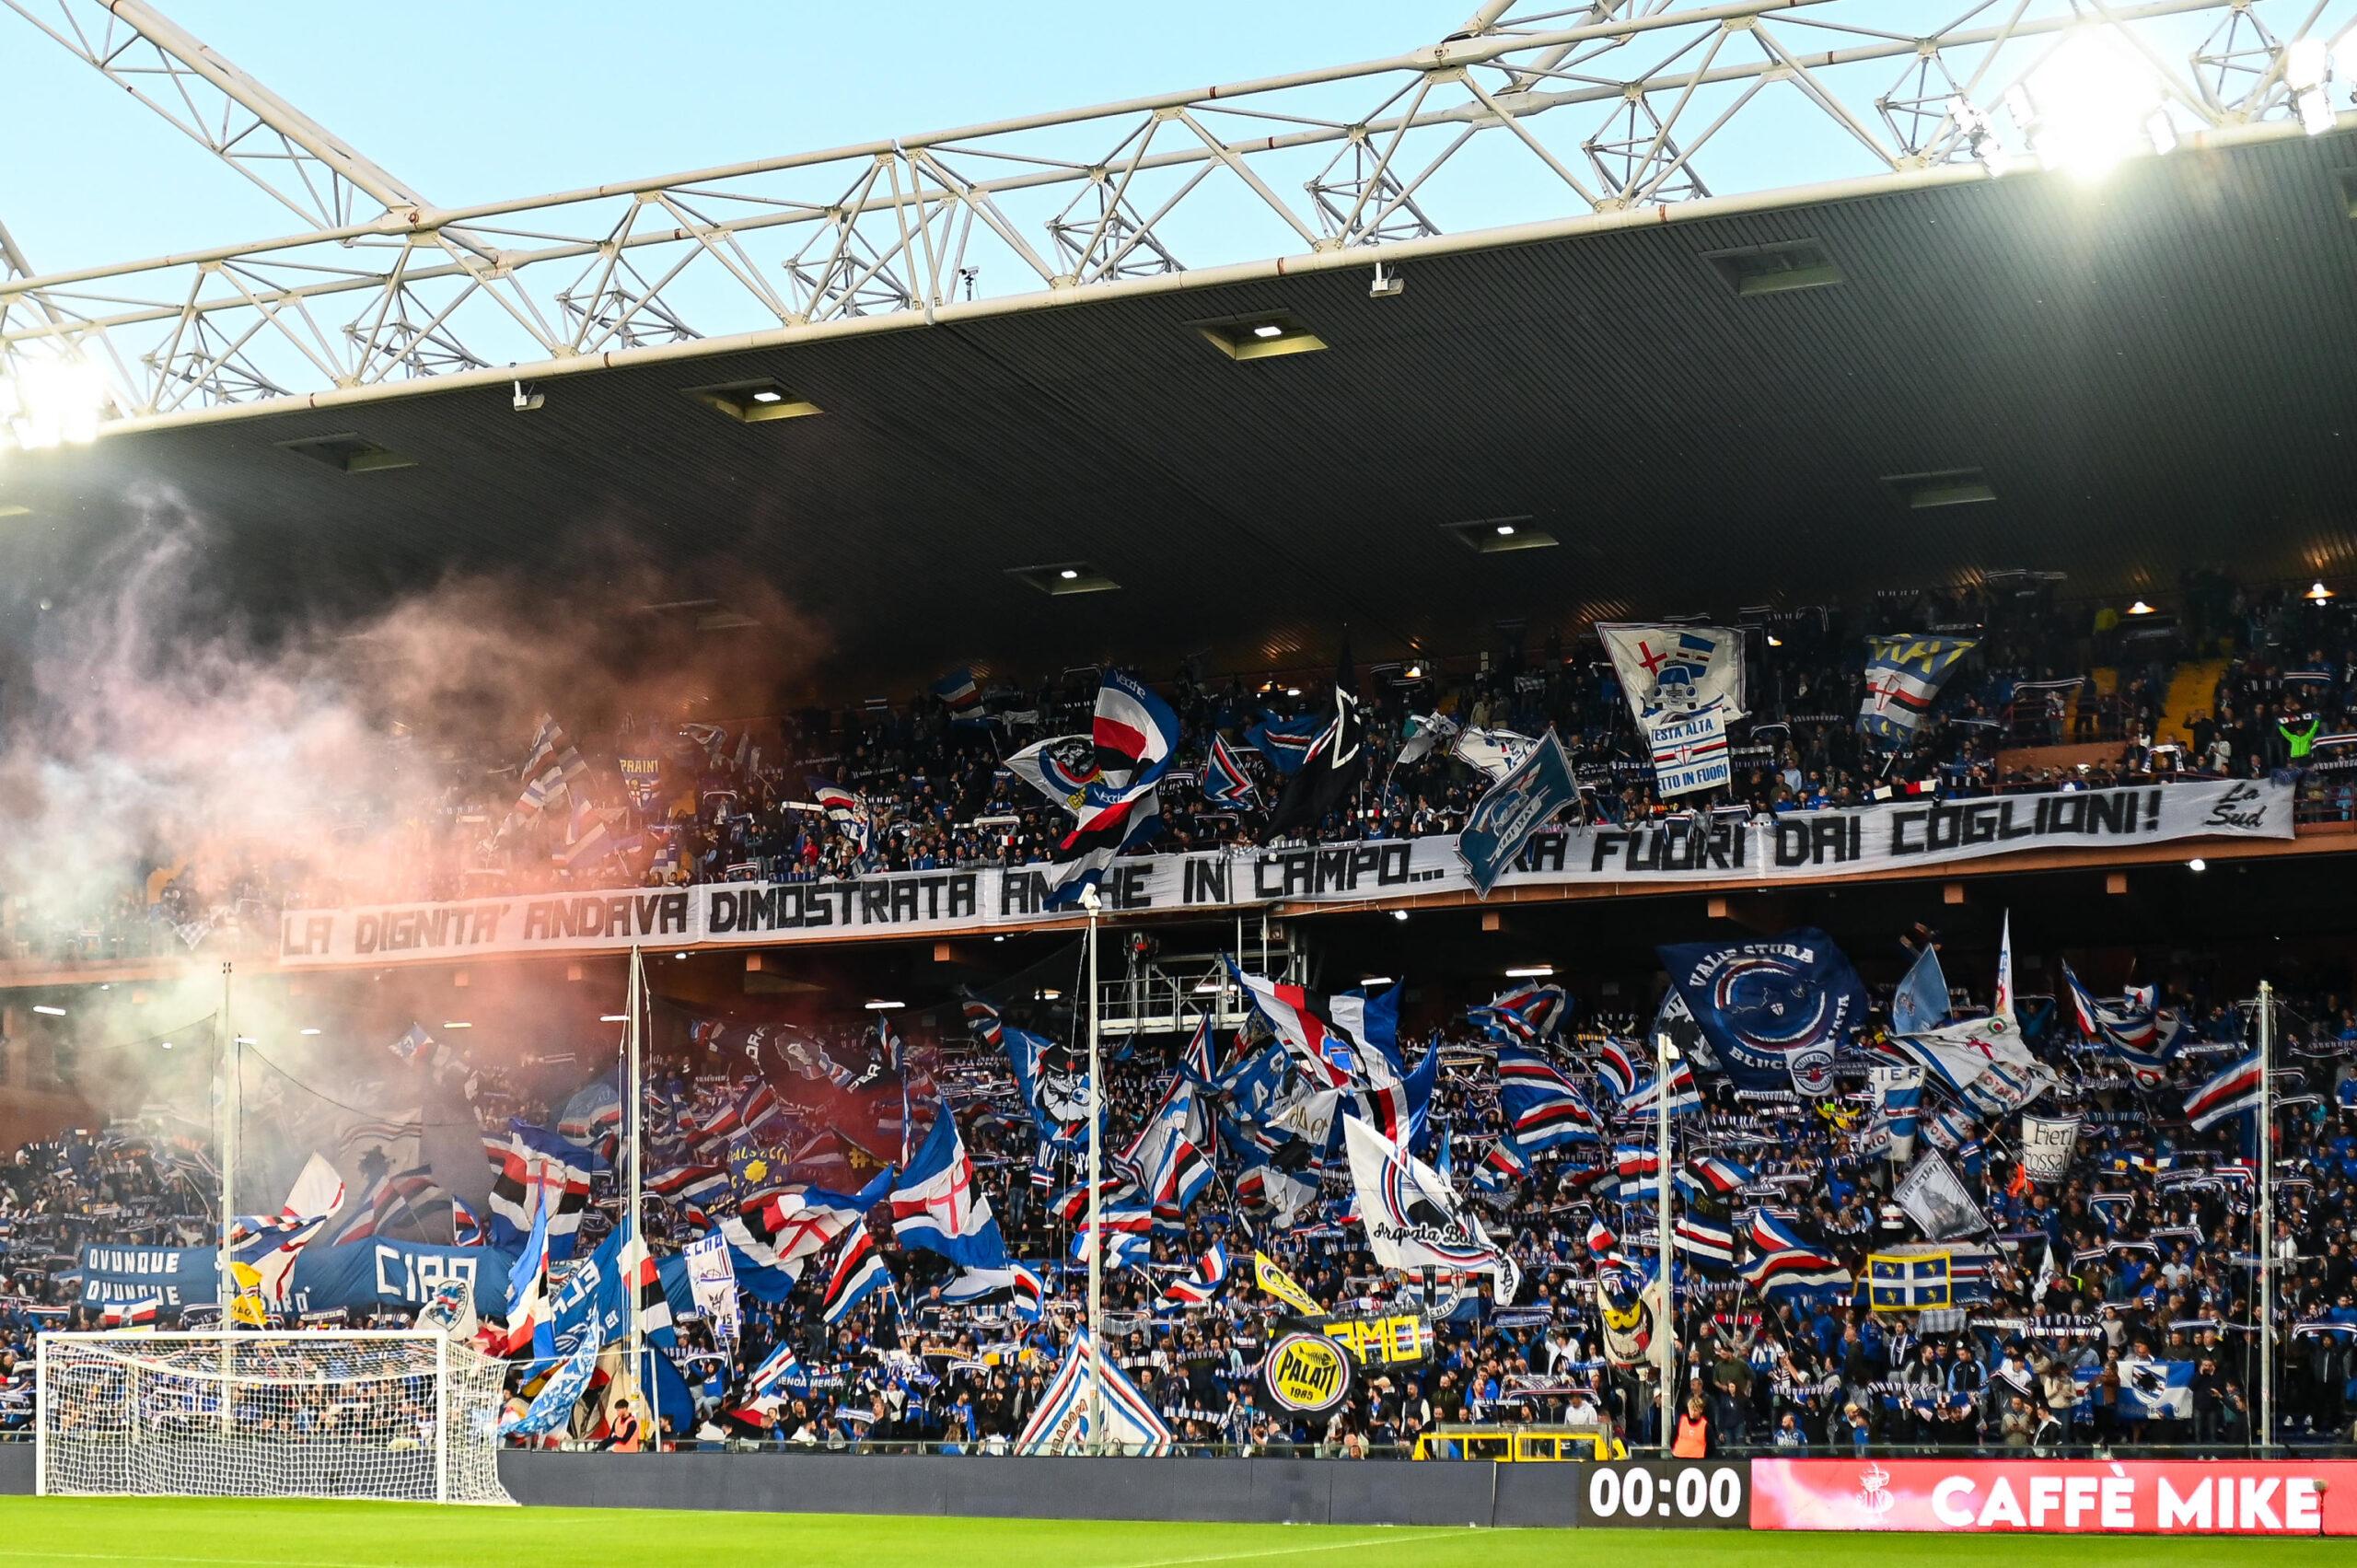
(734, 801)
(2140, 1257)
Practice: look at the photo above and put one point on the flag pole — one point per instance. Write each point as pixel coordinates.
(2266, 1215)
(1096, 1197)
(226, 1290)
(632, 1105)
(227, 1030)
(1666, 1330)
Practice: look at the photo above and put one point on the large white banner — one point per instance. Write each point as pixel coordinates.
(1797, 847)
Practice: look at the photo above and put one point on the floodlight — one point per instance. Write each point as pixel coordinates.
(55, 403)
(2306, 61)
(2087, 105)
(1268, 330)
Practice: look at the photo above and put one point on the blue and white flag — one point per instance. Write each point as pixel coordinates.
(1921, 1002)
(1542, 1108)
(552, 1406)
(2155, 1391)
(1903, 679)
(1060, 1424)
(1528, 1014)
(959, 695)
(1515, 808)
(2237, 1089)
(1773, 1012)
(939, 1206)
(1685, 686)
(1284, 743)
(2136, 1030)
(1898, 1091)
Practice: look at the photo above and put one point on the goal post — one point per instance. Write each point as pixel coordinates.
(400, 1414)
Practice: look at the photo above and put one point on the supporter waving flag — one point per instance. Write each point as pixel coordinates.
(1616, 1067)
(2239, 1087)
(1135, 733)
(1503, 1168)
(1903, 679)
(1102, 830)
(1644, 1100)
(1784, 1268)
(1542, 1110)
(1528, 1014)
(535, 1161)
(1333, 767)
(1199, 1062)
(2136, 1030)
(937, 1206)
(1200, 1285)
(858, 1273)
(798, 1221)
(1284, 742)
(1224, 780)
(1398, 1108)
(1341, 1039)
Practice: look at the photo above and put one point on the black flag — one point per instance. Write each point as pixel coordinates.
(1334, 767)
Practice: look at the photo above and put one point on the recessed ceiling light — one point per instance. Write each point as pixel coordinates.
(2197, 864)
(1943, 487)
(306, 1031)
(678, 955)
(456, 1024)
(1057, 578)
(45, 1008)
(1399, 914)
(2317, 592)
(2140, 608)
(1259, 337)
(1493, 535)
(1375, 980)
(1529, 971)
(347, 453)
(753, 402)
(613, 1018)
(1776, 268)
(882, 1005)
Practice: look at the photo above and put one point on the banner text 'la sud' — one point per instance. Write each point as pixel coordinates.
(1799, 846)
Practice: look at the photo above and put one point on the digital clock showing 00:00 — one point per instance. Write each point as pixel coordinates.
(1667, 1495)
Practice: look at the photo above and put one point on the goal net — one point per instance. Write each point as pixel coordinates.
(407, 1414)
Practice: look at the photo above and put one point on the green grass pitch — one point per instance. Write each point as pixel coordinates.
(175, 1533)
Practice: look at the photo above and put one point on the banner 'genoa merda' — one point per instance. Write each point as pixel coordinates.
(1799, 846)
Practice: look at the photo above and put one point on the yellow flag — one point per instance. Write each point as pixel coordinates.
(247, 1308)
(1282, 1285)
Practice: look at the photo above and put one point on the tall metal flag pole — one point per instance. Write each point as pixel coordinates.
(226, 1290)
(1090, 901)
(226, 1030)
(1666, 1328)
(632, 1107)
(2266, 1214)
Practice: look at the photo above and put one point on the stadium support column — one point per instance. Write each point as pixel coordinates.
(1096, 1199)
(1665, 1327)
(2266, 1142)
(633, 1097)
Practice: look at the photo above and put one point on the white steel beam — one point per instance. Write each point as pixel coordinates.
(1273, 167)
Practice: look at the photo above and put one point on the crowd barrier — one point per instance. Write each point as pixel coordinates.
(2179, 1497)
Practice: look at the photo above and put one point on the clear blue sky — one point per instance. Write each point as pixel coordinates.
(476, 100)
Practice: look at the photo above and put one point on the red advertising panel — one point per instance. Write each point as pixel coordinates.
(2062, 1496)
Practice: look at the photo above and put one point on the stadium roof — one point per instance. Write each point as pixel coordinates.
(2137, 377)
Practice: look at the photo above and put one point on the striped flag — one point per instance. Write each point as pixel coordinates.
(859, 1272)
(1201, 1285)
(1526, 1015)
(1199, 1062)
(2239, 1088)
(1542, 1110)
(1225, 782)
(1027, 1294)
(1785, 1267)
